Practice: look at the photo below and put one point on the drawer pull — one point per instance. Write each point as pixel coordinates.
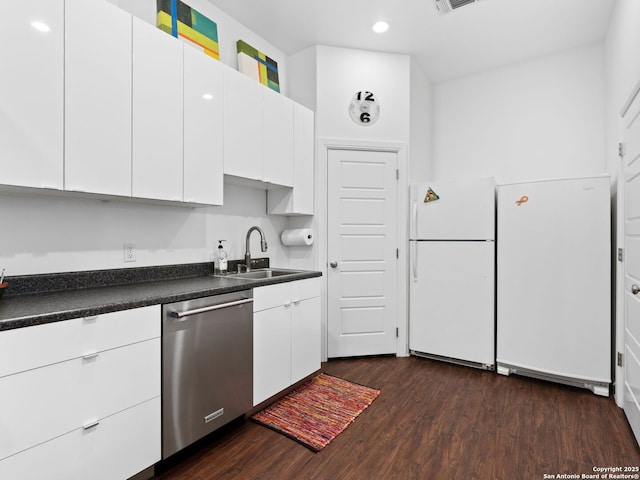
(95, 423)
(89, 356)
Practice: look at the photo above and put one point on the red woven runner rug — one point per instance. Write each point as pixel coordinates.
(318, 411)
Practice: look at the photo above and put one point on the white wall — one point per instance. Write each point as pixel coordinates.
(537, 119)
(54, 234)
(420, 126)
(341, 73)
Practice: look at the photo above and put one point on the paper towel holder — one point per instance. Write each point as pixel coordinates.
(297, 237)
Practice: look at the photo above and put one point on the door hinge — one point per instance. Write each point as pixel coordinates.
(620, 254)
(621, 149)
(397, 253)
(397, 332)
(620, 359)
(397, 174)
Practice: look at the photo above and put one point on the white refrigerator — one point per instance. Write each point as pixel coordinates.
(452, 271)
(554, 274)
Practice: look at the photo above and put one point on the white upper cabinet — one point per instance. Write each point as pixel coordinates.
(299, 199)
(203, 128)
(31, 102)
(277, 138)
(157, 114)
(97, 98)
(242, 126)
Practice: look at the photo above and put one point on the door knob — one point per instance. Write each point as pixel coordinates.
(333, 264)
(635, 289)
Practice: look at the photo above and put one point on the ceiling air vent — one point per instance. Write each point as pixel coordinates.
(446, 6)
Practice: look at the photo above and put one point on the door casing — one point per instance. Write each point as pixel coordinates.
(324, 145)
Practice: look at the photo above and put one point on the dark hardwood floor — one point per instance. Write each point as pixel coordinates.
(432, 421)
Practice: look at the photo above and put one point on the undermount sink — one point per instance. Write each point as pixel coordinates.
(263, 273)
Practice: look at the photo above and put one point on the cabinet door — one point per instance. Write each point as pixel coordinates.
(242, 126)
(271, 352)
(157, 114)
(305, 338)
(31, 102)
(277, 138)
(303, 154)
(203, 128)
(97, 97)
(299, 199)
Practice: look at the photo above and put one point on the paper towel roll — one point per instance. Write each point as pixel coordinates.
(297, 236)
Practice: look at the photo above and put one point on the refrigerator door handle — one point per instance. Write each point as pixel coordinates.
(414, 261)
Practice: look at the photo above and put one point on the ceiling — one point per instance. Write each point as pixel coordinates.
(479, 36)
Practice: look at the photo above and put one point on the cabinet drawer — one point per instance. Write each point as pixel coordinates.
(303, 289)
(31, 347)
(279, 294)
(42, 403)
(271, 296)
(117, 448)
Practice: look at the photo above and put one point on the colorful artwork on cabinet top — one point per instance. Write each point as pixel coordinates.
(182, 21)
(257, 65)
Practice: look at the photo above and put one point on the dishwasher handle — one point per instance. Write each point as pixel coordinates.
(210, 308)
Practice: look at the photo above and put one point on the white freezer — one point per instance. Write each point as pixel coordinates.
(452, 300)
(464, 211)
(553, 311)
(452, 271)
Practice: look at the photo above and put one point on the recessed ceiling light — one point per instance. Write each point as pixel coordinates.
(40, 26)
(207, 96)
(380, 27)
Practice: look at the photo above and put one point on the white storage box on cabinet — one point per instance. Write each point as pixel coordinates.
(97, 139)
(32, 86)
(73, 376)
(286, 335)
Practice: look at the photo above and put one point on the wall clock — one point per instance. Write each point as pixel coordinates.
(364, 108)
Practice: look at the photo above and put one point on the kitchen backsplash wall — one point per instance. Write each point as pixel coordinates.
(43, 234)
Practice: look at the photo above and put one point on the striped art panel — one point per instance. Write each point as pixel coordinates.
(182, 21)
(257, 65)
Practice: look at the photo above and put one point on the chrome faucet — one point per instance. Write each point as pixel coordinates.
(263, 246)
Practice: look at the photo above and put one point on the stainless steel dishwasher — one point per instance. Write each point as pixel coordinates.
(207, 366)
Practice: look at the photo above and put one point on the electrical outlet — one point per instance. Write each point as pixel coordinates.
(129, 252)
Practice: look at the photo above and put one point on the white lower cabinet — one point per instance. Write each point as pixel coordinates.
(286, 335)
(90, 403)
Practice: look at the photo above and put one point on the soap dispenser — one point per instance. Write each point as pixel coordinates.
(220, 260)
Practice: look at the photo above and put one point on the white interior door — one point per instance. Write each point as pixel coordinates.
(361, 251)
(629, 181)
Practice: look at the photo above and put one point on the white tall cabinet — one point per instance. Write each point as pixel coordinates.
(157, 92)
(97, 64)
(31, 102)
(242, 126)
(203, 128)
(277, 138)
(299, 199)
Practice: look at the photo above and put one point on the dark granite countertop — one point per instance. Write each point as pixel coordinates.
(35, 308)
